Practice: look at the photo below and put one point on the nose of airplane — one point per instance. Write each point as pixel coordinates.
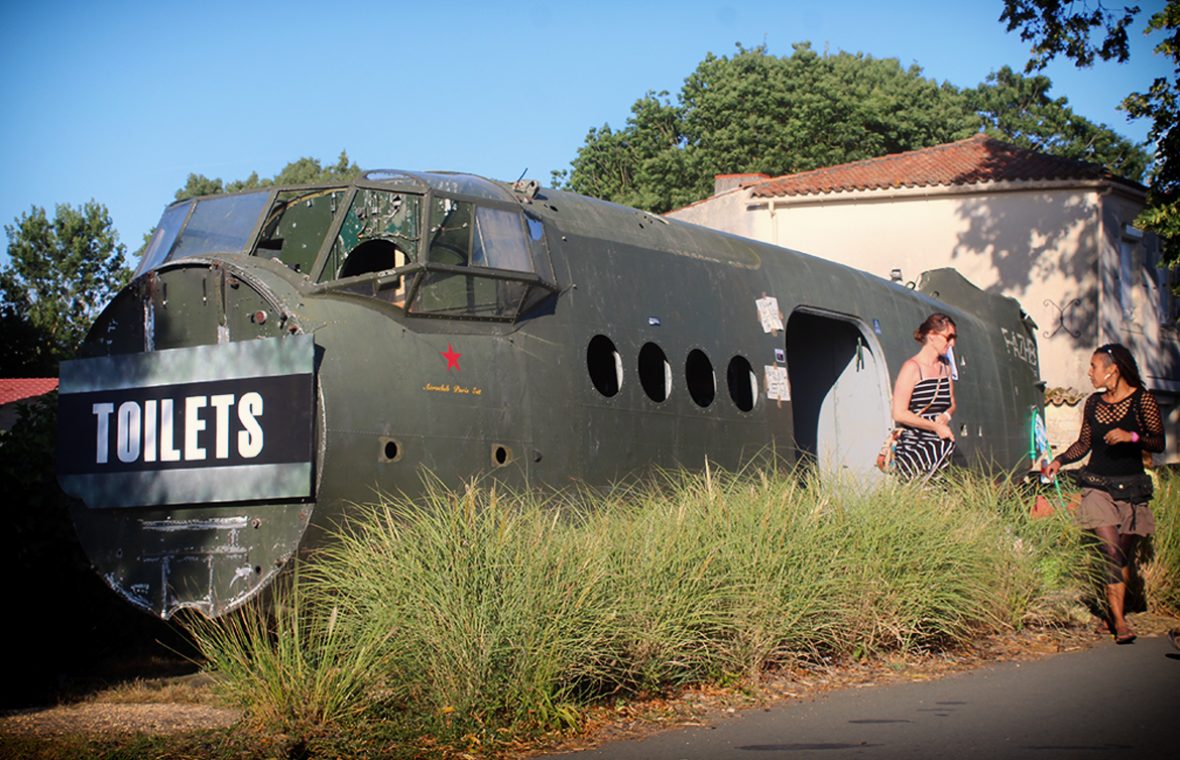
(187, 434)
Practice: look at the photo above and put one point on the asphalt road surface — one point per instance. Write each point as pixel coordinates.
(1109, 701)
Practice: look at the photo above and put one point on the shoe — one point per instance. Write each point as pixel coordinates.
(1174, 637)
(1126, 637)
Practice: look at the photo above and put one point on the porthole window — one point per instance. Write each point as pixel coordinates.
(699, 378)
(390, 450)
(501, 455)
(743, 383)
(655, 374)
(604, 365)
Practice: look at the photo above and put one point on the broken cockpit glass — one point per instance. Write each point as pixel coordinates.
(480, 261)
(296, 225)
(379, 233)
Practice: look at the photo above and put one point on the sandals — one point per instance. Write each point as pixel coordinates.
(1174, 637)
(1126, 637)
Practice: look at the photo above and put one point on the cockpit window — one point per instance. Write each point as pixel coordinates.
(296, 225)
(221, 224)
(380, 232)
(163, 237)
(465, 235)
(500, 240)
(450, 232)
(462, 234)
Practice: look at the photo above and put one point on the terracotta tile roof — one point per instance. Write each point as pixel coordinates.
(975, 160)
(18, 388)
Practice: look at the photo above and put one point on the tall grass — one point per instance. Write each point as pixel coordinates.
(291, 661)
(473, 615)
(1161, 571)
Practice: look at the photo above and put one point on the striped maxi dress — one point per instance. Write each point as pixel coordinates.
(922, 452)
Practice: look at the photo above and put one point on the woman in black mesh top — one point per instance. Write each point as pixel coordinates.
(1118, 426)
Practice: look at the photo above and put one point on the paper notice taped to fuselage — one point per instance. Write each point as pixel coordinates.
(768, 314)
(778, 388)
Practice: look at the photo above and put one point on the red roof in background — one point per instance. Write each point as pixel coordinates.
(972, 161)
(18, 388)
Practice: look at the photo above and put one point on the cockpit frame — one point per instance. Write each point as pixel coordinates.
(415, 279)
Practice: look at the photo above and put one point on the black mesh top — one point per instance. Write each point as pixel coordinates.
(1137, 413)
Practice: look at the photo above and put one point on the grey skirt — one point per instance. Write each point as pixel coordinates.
(1098, 508)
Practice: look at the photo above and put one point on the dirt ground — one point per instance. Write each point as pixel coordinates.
(172, 706)
(158, 706)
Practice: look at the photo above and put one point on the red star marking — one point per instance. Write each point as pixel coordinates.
(451, 356)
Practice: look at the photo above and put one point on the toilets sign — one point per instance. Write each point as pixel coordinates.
(239, 426)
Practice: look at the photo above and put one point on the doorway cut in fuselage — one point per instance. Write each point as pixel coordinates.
(839, 393)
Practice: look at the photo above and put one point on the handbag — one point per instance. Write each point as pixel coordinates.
(1135, 489)
(886, 457)
(888, 452)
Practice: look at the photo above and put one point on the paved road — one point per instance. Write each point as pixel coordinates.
(1108, 701)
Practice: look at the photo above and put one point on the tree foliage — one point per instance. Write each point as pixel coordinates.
(303, 171)
(1056, 28)
(1019, 110)
(62, 272)
(1084, 33)
(756, 112)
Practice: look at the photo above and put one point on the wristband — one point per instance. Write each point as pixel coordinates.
(1134, 438)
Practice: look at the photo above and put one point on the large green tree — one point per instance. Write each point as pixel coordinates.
(303, 171)
(756, 112)
(61, 273)
(1084, 32)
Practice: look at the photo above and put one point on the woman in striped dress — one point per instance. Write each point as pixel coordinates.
(924, 401)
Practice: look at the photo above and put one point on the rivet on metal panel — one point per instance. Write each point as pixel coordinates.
(256, 523)
(258, 317)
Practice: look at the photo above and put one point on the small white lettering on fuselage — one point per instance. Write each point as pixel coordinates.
(1020, 346)
(144, 430)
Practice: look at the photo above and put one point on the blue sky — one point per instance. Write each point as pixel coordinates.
(120, 101)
